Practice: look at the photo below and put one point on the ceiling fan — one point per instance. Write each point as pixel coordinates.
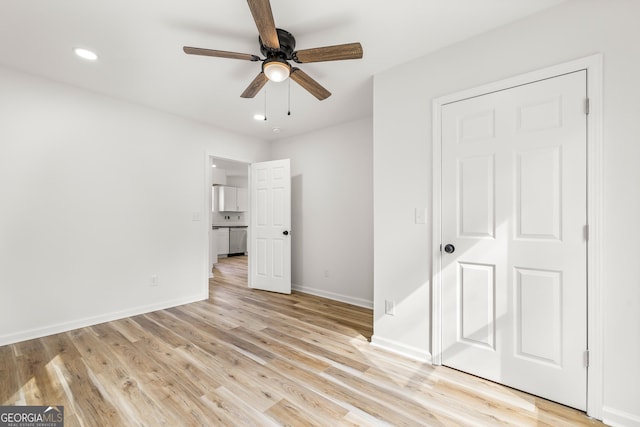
(278, 47)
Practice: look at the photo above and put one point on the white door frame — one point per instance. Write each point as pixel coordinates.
(207, 209)
(593, 66)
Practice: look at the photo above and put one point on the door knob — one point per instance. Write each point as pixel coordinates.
(449, 248)
(285, 232)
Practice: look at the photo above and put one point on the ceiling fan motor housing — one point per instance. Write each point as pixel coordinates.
(287, 46)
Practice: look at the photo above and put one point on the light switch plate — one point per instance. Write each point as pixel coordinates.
(390, 307)
(421, 215)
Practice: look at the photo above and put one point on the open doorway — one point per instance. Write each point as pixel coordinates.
(229, 212)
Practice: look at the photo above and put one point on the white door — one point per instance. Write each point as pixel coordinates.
(270, 226)
(514, 212)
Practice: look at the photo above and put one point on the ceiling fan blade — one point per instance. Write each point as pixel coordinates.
(263, 17)
(329, 53)
(255, 86)
(219, 53)
(312, 86)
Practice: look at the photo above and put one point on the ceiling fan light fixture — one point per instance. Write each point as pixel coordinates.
(278, 46)
(276, 70)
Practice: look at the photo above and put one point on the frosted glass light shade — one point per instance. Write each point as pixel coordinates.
(276, 71)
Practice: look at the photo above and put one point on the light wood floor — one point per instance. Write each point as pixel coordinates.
(252, 358)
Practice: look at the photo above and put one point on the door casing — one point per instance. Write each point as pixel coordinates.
(206, 222)
(593, 66)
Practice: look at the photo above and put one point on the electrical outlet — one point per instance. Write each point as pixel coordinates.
(390, 307)
(154, 280)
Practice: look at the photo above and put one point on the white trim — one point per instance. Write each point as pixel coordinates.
(208, 274)
(250, 248)
(615, 418)
(595, 185)
(360, 302)
(593, 65)
(208, 268)
(95, 320)
(436, 263)
(402, 349)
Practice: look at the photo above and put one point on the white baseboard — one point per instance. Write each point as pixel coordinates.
(94, 320)
(334, 296)
(616, 418)
(402, 349)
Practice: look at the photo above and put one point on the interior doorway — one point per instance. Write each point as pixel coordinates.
(251, 200)
(228, 208)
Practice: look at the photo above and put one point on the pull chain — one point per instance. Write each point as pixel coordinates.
(265, 104)
(289, 106)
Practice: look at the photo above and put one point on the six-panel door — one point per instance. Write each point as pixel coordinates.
(514, 207)
(270, 226)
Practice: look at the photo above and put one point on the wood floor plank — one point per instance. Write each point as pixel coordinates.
(88, 403)
(228, 410)
(247, 357)
(282, 350)
(91, 350)
(336, 391)
(32, 372)
(317, 350)
(288, 414)
(10, 391)
(427, 410)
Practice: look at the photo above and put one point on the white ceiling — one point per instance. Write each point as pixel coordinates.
(140, 44)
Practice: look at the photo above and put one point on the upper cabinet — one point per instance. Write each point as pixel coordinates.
(227, 200)
(218, 176)
(230, 199)
(242, 199)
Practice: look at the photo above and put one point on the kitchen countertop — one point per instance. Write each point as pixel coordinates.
(229, 226)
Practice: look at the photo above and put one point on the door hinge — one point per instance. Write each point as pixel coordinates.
(586, 106)
(586, 358)
(440, 247)
(586, 232)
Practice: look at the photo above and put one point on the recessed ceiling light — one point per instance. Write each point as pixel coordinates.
(213, 166)
(259, 116)
(85, 54)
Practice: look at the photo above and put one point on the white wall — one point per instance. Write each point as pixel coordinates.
(97, 196)
(332, 211)
(402, 172)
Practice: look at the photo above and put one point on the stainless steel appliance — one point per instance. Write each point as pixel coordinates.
(237, 240)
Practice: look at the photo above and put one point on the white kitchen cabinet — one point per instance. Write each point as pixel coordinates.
(213, 251)
(222, 240)
(230, 199)
(218, 176)
(242, 199)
